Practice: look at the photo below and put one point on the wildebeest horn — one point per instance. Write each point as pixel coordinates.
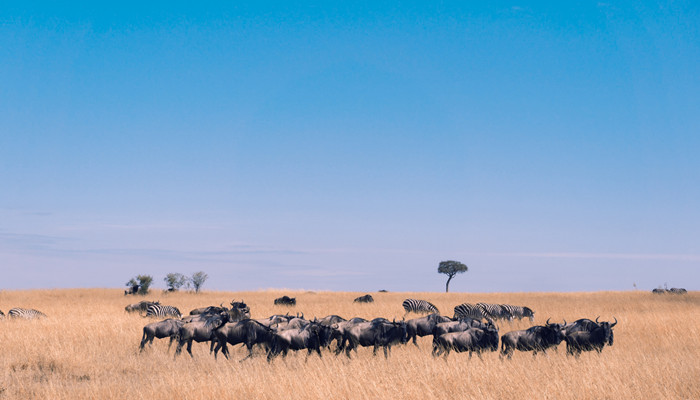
(596, 319)
(611, 325)
(547, 323)
(565, 322)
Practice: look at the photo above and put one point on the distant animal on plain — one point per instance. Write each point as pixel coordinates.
(286, 301)
(364, 299)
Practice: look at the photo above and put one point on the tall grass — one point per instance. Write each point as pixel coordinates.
(88, 348)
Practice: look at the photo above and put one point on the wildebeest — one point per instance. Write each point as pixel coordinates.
(141, 306)
(286, 301)
(162, 329)
(535, 339)
(471, 340)
(133, 289)
(2, 315)
(457, 326)
(312, 337)
(248, 331)
(659, 291)
(364, 299)
(376, 333)
(588, 335)
(338, 332)
(423, 326)
(200, 331)
(677, 290)
(239, 310)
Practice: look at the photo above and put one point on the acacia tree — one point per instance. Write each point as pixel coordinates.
(451, 268)
(174, 281)
(143, 282)
(198, 279)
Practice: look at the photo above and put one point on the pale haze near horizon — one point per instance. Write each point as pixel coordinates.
(353, 147)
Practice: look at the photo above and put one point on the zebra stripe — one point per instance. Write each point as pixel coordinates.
(495, 311)
(468, 310)
(519, 312)
(25, 313)
(419, 306)
(160, 311)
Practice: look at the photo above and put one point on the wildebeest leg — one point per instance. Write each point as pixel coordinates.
(213, 341)
(170, 343)
(414, 341)
(189, 348)
(144, 339)
(386, 351)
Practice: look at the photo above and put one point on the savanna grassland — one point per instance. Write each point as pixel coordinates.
(87, 348)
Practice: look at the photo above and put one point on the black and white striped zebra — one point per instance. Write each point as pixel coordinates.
(161, 311)
(468, 310)
(25, 313)
(495, 311)
(519, 312)
(419, 306)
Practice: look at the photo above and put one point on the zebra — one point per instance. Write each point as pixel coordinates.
(25, 313)
(519, 312)
(468, 310)
(160, 311)
(495, 311)
(419, 306)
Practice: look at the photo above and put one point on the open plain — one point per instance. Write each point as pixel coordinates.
(87, 348)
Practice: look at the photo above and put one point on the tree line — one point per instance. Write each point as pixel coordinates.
(140, 284)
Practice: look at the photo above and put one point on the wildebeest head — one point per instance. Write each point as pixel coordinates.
(607, 326)
(527, 311)
(554, 331)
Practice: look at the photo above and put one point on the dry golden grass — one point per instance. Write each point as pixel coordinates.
(88, 348)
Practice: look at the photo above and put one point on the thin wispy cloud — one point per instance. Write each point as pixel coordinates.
(607, 256)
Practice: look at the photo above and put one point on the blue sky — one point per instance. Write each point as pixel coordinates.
(548, 146)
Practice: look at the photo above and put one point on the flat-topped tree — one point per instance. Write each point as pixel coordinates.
(451, 268)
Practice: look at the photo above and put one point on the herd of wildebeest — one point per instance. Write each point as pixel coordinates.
(473, 328)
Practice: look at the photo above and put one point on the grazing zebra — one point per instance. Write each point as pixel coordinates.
(495, 311)
(160, 311)
(519, 312)
(419, 306)
(468, 310)
(25, 313)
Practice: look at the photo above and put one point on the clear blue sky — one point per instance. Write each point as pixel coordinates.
(548, 146)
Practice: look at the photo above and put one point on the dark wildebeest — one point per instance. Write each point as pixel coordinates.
(461, 325)
(378, 332)
(423, 326)
(536, 338)
(248, 331)
(141, 306)
(589, 335)
(659, 291)
(312, 337)
(294, 323)
(364, 299)
(239, 310)
(339, 329)
(133, 289)
(677, 290)
(166, 328)
(286, 301)
(200, 331)
(2, 315)
(473, 339)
